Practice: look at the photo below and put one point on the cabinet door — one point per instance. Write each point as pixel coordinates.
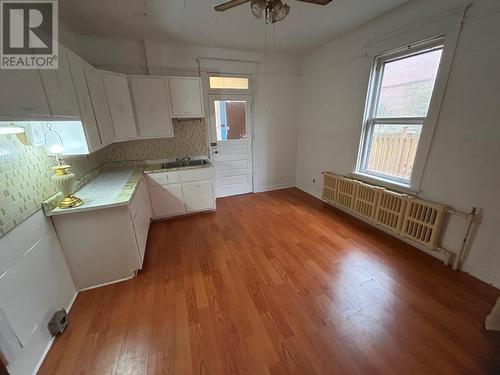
(59, 88)
(141, 224)
(21, 93)
(186, 96)
(120, 105)
(99, 103)
(151, 107)
(84, 101)
(167, 200)
(198, 196)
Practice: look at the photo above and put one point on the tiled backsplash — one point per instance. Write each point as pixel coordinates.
(25, 170)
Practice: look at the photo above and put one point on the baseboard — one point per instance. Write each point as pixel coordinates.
(49, 345)
(264, 188)
(108, 283)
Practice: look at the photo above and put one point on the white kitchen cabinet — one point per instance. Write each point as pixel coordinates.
(141, 213)
(58, 86)
(167, 200)
(21, 94)
(186, 97)
(175, 193)
(84, 102)
(151, 107)
(99, 103)
(115, 249)
(120, 105)
(198, 196)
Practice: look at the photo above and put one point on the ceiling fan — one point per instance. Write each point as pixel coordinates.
(274, 10)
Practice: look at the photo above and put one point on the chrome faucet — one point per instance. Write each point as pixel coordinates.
(184, 159)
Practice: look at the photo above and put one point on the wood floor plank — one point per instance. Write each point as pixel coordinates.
(280, 283)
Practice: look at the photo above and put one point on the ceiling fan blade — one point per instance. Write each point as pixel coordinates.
(230, 4)
(317, 2)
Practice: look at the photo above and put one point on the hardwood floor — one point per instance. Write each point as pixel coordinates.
(280, 283)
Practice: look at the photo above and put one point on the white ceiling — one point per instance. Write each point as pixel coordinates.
(195, 22)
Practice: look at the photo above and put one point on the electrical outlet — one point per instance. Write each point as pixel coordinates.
(314, 180)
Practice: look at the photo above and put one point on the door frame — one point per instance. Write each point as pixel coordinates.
(248, 97)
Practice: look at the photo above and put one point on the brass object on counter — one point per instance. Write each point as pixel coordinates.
(65, 181)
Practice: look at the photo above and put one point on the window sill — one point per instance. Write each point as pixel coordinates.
(386, 183)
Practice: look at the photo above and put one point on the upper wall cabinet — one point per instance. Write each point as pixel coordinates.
(21, 94)
(84, 101)
(185, 94)
(151, 107)
(59, 88)
(99, 103)
(120, 105)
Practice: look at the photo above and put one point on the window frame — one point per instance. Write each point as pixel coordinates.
(427, 123)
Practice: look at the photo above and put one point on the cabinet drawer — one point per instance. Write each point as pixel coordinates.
(196, 175)
(166, 178)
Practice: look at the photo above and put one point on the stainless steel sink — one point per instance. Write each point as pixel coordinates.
(184, 163)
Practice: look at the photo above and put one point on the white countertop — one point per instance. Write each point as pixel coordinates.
(113, 187)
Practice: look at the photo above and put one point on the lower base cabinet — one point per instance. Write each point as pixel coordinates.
(105, 245)
(181, 192)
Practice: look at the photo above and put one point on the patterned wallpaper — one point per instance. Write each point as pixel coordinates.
(189, 138)
(25, 170)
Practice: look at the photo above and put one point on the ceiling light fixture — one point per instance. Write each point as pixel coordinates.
(274, 10)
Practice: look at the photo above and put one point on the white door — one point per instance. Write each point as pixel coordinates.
(231, 143)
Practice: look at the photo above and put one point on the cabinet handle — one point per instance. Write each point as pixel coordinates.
(27, 108)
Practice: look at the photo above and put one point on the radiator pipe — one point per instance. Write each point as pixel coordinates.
(465, 241)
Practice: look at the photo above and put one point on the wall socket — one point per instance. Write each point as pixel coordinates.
(314, 180)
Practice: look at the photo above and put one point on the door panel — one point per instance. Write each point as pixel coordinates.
(84, 101)
(167, 200)
(231, 145)
(120, 105)
(151, 107)
(198, 196)
(99, 103)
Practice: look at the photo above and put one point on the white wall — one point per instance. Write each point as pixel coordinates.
(461, 168)
(35, 282)
(277, 99)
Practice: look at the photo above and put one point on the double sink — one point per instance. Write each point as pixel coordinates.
(185, 163)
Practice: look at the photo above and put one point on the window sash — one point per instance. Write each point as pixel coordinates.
(368, 142)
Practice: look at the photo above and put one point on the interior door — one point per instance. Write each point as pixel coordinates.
(231, 143)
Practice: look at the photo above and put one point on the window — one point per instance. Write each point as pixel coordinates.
(402, 85)
(229, 83)
(230, 119)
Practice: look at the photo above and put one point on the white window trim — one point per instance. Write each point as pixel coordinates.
(448, 41)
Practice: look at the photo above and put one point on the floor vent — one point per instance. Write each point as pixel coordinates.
(422, 222)
(390, 210)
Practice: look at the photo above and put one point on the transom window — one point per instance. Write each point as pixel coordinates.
(402, 85)
(229, 83)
